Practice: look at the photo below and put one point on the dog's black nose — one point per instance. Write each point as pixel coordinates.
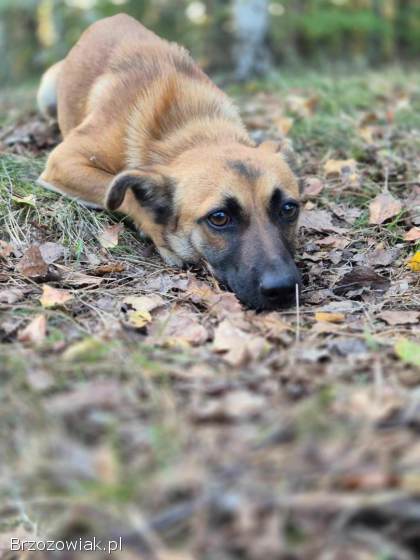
(278, 287)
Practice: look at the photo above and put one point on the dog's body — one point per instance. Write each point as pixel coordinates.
(146, 132)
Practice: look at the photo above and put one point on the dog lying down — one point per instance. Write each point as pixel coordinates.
(147, 133)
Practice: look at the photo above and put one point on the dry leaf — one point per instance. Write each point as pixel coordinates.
(337, 167)
(333, 241)
(284, 124)
(29, 200)
(178, 327)
(51, 297)
(400, 317)
(413, 234)
(52, 252)
(143, 303)
(236, 405)
(138, 319)
(109, 268)
(318, 220)
(361, 277)
(32, 265)
(329, 317)
(109, 237)
(384, 257)
(383, 207)
(302, 106)
(237, 346)
(5, 249)
(10, 296)
(35, 332)
(414, 262)
(312, 187)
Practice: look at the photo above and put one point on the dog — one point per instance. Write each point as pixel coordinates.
(147, 133)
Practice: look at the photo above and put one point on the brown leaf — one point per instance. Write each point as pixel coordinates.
(361, 277)
(337, 167)
(383, 207)
(109, 236)
(10, 296)
(312, 187)
(384, 257)
(333, 241)
(329, 317)
(51, 297)
(319, 220)
(400, 317)
(35, 332)
(284, 124)
(5, 249)
(109, 268)
(32, 265)
(235, 405)
(237, 346)
(178, 327)
(143, 303)
(413, 234)
(52, 252)
(303, 106)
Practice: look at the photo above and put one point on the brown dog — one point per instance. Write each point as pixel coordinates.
(146, 132)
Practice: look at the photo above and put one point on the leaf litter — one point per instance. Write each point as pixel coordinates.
(191, 425)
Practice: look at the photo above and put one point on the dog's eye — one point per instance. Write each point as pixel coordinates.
(218, 219)
(290, 210)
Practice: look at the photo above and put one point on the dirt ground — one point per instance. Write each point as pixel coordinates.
(145, 402)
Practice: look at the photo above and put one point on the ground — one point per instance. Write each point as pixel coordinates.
(144, 402)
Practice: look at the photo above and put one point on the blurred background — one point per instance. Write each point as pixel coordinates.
(238, 38)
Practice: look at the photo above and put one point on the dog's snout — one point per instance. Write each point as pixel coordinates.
(279, 287)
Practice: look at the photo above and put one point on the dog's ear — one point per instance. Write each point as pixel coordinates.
(153, 191)
(285, 149)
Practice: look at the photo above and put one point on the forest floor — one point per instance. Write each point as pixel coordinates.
(144, 402)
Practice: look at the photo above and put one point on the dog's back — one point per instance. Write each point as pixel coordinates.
(114, 59)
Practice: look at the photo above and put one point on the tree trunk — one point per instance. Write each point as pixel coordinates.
(250, 27)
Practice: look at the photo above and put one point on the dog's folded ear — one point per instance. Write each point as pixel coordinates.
(283, 147)
(153, 191)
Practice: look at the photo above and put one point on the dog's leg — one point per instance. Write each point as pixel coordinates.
(70, 173)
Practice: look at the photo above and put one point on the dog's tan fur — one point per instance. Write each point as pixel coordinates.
(130, 102)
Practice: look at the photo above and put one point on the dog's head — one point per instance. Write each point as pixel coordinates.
(234, 206)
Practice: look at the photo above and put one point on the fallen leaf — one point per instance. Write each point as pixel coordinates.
(337, 167)
(29, 200)
(329, 317)
(87, 349)
(319, 220)
(52, 252)
(361, 277)
(109, 236)
(413, 234)
(384, 257)
(10, 296)
(52, 297)
(98, 394)
(383, 207)
(284, 124)
(236, 405)
(178, 327)
(414, 262)
(35, 332)
(408, 351)
(138, 319)
(400, 317)
(333, 241)
(312, 187)
(32, 265)
(237, 346)
(109, 268)
(5, 249)
(303, 106)
(143, 303)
